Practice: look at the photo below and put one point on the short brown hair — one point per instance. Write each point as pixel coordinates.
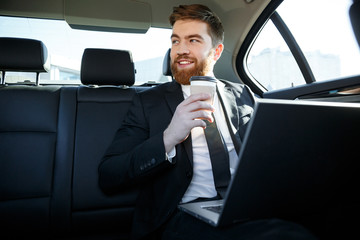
(201, 13)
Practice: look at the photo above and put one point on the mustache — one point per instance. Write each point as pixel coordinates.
(184, 57)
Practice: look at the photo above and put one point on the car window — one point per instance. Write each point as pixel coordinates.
(66, 46)
(323, 32)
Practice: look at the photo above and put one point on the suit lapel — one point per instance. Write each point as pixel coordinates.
(231, 110)
(231, 113)
(174, 96)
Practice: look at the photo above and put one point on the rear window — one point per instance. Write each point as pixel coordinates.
(66, 46)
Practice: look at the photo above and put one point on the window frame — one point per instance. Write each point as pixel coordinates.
(241, 57)
(294, 47)
(311, 89)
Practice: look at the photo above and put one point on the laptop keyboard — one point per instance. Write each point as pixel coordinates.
(215, 208)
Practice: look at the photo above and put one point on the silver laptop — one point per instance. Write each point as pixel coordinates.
(297, 157)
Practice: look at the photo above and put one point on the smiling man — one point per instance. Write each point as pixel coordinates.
(161, 147)
(193, 51)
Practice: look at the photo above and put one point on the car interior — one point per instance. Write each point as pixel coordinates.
(54, 134)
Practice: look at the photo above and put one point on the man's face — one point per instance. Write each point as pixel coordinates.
(192, 53)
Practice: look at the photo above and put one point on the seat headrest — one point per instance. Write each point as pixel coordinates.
(107, 67)
(167, 64)
(355, 19)
(23, 55)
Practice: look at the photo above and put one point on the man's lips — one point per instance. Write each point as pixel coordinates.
(184, 62)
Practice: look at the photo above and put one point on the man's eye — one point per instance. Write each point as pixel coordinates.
(194, 40)
(175, 42)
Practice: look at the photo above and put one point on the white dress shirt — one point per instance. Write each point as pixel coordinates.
(202, 183)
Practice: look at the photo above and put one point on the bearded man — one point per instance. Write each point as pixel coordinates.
(166, 154)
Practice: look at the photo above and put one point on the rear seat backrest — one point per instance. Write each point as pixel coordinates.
(100, 110)
(28, 126)
(52, 139)
(29, 140)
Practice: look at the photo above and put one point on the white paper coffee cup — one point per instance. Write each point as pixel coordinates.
(203, 84)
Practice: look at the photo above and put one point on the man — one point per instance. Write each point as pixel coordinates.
(165, 151)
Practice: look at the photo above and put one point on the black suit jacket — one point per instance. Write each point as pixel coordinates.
(137, 153)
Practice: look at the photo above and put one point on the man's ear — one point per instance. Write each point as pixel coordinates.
(218, 51)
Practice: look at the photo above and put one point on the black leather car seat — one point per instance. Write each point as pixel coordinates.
(102, 102)
(167, 64)
(28, 140)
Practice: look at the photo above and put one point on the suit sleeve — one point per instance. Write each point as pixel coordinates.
(134, 156)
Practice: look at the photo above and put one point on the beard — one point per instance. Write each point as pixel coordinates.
(200, 69)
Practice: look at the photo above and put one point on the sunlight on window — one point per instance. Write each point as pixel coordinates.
(325, 36)
(66, 46)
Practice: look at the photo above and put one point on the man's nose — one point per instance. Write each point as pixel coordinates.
(183, 50)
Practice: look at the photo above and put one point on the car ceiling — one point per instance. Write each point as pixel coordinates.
(237, 16)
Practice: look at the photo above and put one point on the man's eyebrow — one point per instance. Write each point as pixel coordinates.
(174, 35)
(194, 36)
